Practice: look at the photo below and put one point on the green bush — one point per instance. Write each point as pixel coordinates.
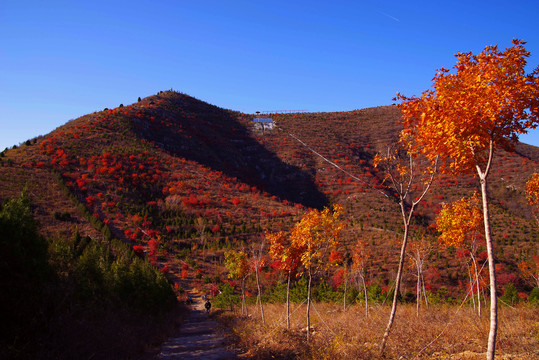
(534, 296)
(510, 294)
(226, 298)
(374, 292)
(324, 292)
(62, 216)
(298, 292)
(275, 293)
(26, 274)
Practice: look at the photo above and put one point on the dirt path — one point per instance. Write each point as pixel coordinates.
(199, 337)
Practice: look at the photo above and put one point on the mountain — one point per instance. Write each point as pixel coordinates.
(171, 172)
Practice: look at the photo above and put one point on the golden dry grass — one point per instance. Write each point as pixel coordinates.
(350, 335)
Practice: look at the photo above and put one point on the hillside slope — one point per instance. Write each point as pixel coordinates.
(171, 172)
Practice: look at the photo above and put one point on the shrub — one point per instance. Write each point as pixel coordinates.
(510, 294)
(227, 298)
(25, 274)
(62, 216)
(534, 296)
(324, 292)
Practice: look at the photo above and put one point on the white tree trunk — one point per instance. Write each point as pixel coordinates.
(478, 288)
(470, 289)
(344, 296)
(397, 281)
(418, 290)
(309, 308)
(244, 310)
(491, 348)
(260, 296)
(288, 302)
(492, 273)
(366, 297)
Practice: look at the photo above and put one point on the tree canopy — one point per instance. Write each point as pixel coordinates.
(488, 99)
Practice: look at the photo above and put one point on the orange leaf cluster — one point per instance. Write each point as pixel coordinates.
(360, 256)
(532, 190)
(237, 264)
(316, 234)
(460, 221)
(488, 100)
(281, 249)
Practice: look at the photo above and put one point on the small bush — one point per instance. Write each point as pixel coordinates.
(62, 216)
(227, 298)
(510, 294)
(534, 296)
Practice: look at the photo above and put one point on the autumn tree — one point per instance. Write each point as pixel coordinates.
(287, 256)
(410, 177)
(530, 270)
(258, 261)
(532, 194)
(361, 255)
(468, 114)
(418, 252)
(238, 267)
(201, 225)
(315, 235)
(459, 224)
(337, 258)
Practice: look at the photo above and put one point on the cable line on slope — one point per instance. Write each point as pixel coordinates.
(331, 162)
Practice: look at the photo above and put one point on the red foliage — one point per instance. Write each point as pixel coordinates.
(337, 279)
(90, 200)
(153, 250)
(138, 249)
(236, 201)
(335, 257)
(184, 273)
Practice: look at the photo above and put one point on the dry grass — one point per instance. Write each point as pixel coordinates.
(350, 335)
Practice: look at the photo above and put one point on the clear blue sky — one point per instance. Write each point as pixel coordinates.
(63, 59)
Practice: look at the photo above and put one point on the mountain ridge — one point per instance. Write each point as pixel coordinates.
(149, 170)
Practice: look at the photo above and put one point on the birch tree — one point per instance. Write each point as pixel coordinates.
(410, 180)
(315, 236)
(459, 224)
(238, 268)
(467, 115)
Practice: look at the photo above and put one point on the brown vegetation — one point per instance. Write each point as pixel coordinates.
(441, 332)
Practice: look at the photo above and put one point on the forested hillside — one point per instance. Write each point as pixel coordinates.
(171, 172)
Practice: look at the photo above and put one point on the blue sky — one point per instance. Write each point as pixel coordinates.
(63, 59)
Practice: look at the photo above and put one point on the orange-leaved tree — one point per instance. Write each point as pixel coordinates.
(361, 255)
(315, 235)
(459, 224)
(258, 261)
(530, 269)
(238, 267)
(410, 177)
(469, 113)
(532, 193)
(288, 258)
(418, 251)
